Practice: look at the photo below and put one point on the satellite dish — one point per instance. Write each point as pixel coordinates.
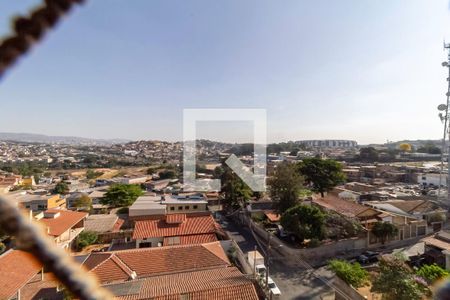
(442, 107)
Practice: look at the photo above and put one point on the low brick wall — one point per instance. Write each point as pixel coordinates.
(107, 237)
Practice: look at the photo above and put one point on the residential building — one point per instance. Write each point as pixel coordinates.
(17, 269)
(175, 229)
(38, 202)
(223, 284)
(437, 249)
(432, 179)
(110, 267)
(328, 143)
(63, 225)
(201, 271)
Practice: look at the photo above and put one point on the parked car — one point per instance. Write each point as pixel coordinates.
(261, 271)
(368, 257)
(274, 290)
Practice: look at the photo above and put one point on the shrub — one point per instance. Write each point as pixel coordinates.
(352, 274)
(431, 273)
(86, 238)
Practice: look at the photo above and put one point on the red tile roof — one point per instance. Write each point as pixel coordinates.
(66, 220)
(193, 224)
(190, 239)
(37, 288)
(16, 269)
(175, 218)
(224, 284)
(343, 207)
(120, 265)
(272, 216)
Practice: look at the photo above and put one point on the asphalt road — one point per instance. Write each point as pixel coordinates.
(293, 279)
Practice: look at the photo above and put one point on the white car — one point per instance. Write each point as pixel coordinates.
(261, 270)
(273, 287)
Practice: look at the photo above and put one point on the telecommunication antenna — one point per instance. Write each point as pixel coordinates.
(444, 116)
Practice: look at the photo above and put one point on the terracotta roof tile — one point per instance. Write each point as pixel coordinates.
(175, 218)
(16, 268)
(341, 206)
(119, 265)
(411, 206)
(194, 224)
(225, 284)
(190, 239)
(66, 220)
(272, 216)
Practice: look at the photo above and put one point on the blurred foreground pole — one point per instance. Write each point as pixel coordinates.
(32, 238)
(31, 29)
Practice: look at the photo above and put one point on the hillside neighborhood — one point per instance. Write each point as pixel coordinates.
(134, 228)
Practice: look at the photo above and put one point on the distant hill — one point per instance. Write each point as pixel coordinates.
(70, 140)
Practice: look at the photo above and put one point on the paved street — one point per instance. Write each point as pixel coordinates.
(294, 281)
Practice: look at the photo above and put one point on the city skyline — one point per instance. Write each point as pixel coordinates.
(368, 72)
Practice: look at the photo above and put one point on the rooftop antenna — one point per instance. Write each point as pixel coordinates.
(444, 116)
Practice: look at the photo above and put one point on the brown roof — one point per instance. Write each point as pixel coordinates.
(145, 262)
(190, 239)
(411, 206)
(192, 224)
(66, 220)
(16, 269)
(433, 241)
(341, 206)
(37, 288)
(224, 283)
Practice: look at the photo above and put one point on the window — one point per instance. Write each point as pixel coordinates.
(172, 208)
(180, 207)
(186, 207)
(195, 207)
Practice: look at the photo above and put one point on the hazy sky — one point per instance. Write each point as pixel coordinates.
(363, 70)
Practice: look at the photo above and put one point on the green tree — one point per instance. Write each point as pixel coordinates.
(396, 281)
(91, 174)
(384, 230)
(429, 148)
(61, 188)
(368, 154)
(352, 274)
(86, 238)
(84, 202)
(285, 186)
(235, 192)
(322, 174)
(432, 273)
(167, 174)
(122, 195)
(305, 221)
